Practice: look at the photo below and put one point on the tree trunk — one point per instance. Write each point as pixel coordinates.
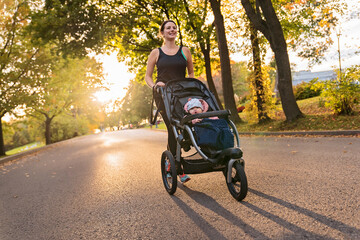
(271, 28)
(288, 101)
(258, 81)
(209, 77)
(227, 85)
(48, 130)
(2, 145)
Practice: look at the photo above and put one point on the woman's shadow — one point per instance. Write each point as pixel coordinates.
(349, 231)
(297, 231)
(212, 205)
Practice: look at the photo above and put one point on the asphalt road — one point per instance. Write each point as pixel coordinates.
(108, 186)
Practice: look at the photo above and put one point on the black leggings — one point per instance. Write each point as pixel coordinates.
(171, 137)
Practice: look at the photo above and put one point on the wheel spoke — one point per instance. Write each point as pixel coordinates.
(237, 184)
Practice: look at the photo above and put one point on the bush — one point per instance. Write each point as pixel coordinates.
(66, 126)
(16, 134)
(343, 93)
(306, 90)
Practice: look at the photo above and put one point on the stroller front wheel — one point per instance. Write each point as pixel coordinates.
(168, 172)
(237, 181)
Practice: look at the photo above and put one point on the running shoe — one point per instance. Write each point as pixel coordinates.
(184, 178)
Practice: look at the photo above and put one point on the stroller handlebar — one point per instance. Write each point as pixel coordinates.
(220, 113)
(159, 89)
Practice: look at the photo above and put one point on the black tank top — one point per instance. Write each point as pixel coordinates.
(170, 67)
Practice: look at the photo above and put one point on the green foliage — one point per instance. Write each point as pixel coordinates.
(343, 93)
(67, 126)
(239, 73)
(74, 26)
(307, 90)
(21, 64)
(308, 25)
(135, 106)
(71, 85)
(17, 133)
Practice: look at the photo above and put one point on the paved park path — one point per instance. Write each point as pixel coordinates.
(108, 186)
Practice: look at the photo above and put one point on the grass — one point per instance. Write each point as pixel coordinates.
(25, 148)
(317, 117)
(161, 126)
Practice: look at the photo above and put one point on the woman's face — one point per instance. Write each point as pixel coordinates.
(170, 31)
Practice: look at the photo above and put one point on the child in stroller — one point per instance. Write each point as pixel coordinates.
(211, 133)
(207, 158)
(195, 106)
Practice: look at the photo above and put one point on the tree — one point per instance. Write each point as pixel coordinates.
(305, 25)
(260, 104)
(308, 25)
(72, 83)
(258, 82)
(135, 106)
(73, 27)
(22, 66)
(224, 61)
(271, 28)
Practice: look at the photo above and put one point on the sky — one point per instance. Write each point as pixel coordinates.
(118, 77)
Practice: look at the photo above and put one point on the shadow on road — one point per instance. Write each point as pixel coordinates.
(212, 205)
(337, 225)
(297, 232)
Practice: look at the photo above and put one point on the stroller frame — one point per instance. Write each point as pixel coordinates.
(230, 161)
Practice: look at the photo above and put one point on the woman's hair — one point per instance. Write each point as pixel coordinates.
(162, 26)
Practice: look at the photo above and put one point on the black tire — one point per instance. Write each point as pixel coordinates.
(169, 183)
(238, 186)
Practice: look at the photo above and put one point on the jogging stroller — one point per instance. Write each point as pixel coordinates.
(174, 95)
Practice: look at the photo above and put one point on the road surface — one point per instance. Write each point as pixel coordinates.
(108, 186)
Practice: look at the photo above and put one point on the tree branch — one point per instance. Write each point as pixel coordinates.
(255, 17)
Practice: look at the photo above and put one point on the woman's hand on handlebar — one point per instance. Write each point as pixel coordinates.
(159, 84)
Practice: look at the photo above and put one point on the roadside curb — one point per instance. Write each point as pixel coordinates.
(355, 133)
(17, 156)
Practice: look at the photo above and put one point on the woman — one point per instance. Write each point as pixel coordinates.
(171, 62)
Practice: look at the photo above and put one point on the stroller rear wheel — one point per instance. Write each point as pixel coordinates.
(238, 185)
(168, 172)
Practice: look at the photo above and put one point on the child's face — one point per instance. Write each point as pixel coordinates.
(195, 110)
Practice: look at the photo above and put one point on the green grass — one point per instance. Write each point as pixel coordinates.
(161, 126)
(25, 148)
(317, 117)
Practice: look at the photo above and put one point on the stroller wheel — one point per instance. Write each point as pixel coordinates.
(168, 172)
(238, 185)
